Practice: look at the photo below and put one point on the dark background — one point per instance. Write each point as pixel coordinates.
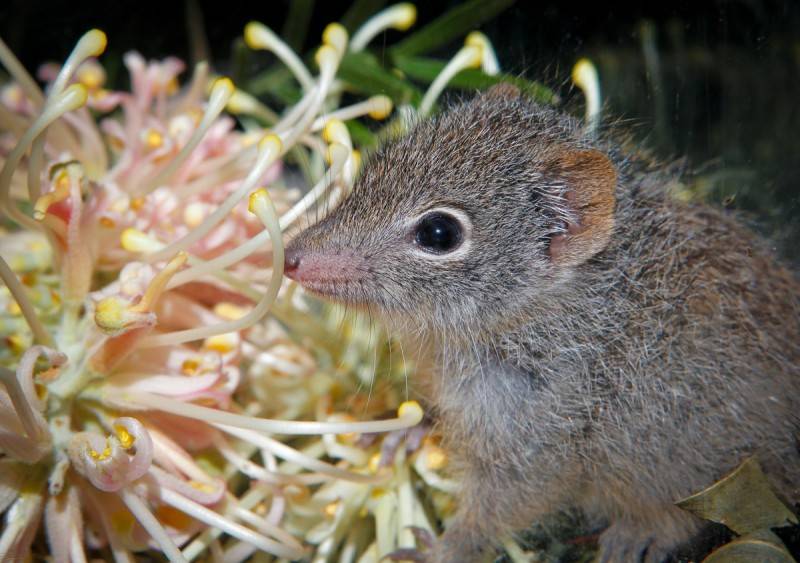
(723, 88)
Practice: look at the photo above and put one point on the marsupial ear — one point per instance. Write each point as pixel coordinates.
(591, 181)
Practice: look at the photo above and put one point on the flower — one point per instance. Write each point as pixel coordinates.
(158, 368)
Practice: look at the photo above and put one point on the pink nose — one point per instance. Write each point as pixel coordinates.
(310, 267)
(291, 262)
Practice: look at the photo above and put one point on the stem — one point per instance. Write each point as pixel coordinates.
(409, 418)
(291, 455)
(152, 526)
(220, 94)
(269, 149)
(378, 107)
(262, 206)
(70, 99)
(20, 75)
(340, 155)
(24, 411)
(259, 36)
(40, 333)
(400, 17)
(468, 57)
(216, 520)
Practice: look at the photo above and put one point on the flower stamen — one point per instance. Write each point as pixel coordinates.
(400, 17)
(339, 155)
(40, 334)
(70, 99)
(489, 63)
(214, 519)
(377, 107)
(269, 149)
(408, 414)
(20, 75)
(469, 56)
(259, 36)
(584, 75)
(261, 206)
(221, 92)
(152, 525)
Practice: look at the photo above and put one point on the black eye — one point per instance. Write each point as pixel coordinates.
(438, 233)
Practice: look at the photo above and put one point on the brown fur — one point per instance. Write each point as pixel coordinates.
(612, 364)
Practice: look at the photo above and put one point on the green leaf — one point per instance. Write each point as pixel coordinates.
(359, 12)
(276, 82)
(240, 60)
(363, 73)
(361, 134)
(427, 69)
(454, 24)
(295, 28)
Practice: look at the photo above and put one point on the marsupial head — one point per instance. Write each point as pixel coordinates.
(470, 217)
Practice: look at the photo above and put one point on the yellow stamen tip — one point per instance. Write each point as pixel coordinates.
(190, 367)
(584, 72)
(229, 311)
(476, 39)
(335, 35)
(223, 85)
(94, 41)
(330, 509)
(178, 260)
(406, 16)
(110, 312)
(153, 139)
(410, 409)
(107, 222)
(326, 56)
(240, 102)
(222, 343)
(124, 437)
(254, 33)
(374, 462)
(134, 240)
(256, 198)
(75, 96)
(475, 56)
(93, 77)
(335, 132)
(381, 107)
(436, 458)
(272, 143)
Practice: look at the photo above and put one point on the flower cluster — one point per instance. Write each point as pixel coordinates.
(148, 332)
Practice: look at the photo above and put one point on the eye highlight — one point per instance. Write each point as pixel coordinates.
(438, 233)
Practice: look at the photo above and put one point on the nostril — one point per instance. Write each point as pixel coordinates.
(291, 261)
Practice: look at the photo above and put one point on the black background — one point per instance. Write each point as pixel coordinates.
(729, 86)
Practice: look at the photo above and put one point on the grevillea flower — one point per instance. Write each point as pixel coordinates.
(156, 368)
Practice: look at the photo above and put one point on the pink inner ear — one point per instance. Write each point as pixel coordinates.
(592, 181)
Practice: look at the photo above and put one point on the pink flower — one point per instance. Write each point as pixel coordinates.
(136, 304)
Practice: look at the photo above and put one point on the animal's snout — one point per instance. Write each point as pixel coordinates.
(310, 267)
(291, 262)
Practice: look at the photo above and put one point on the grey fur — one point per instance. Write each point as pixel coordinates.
(616, 386)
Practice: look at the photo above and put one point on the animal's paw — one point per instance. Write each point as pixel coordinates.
(626, 543)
